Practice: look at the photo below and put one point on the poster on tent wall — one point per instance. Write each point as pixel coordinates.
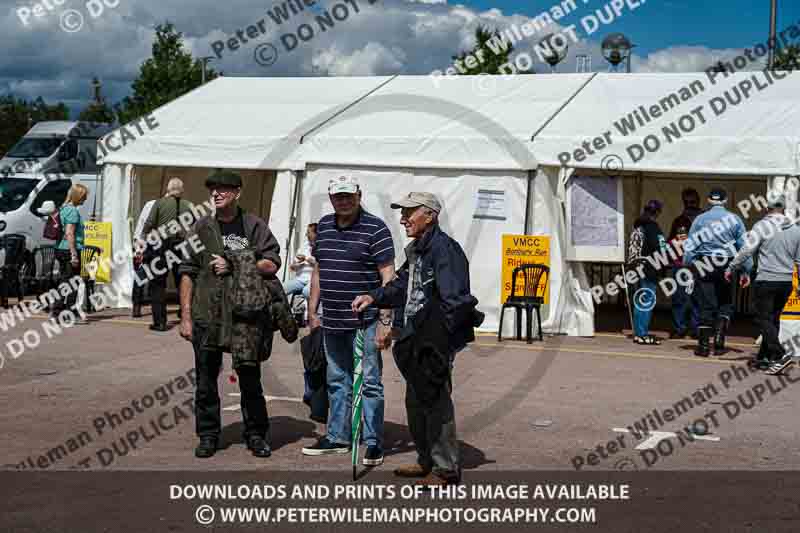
(520, 250)
(459, 191)
(99, 234)
(595, 219)
(791, 311)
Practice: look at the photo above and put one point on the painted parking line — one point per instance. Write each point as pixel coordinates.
(267, 397)
(636, 355)
(654, 437)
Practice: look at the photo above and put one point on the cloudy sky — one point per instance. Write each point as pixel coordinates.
(54, 50)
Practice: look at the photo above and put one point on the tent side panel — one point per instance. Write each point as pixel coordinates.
(458, 191)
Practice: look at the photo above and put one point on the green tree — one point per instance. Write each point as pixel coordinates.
(18, 115)
(170, 73)
(486, 43)
(97, 113)
(788, 59)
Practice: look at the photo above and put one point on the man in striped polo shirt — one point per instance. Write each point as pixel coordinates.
(355, 254)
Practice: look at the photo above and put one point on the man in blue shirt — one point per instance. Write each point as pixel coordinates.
(714, 239)
(355, 254)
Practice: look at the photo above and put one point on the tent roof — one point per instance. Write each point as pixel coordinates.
(468, 122)
(758, 136)
(237, 122)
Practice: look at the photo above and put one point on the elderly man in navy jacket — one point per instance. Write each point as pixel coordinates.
(433, 288)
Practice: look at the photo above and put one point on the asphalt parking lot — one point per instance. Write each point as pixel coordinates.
(562, 404)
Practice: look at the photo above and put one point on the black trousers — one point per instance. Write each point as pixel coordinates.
(158, 294)
(66, 272)
(769, 299)
(714, 295)
(208, 416)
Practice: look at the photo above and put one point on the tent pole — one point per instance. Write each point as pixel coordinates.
(627, 297)
(292, 221)
(527, 202)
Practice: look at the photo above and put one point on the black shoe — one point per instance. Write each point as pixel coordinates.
(158, 327)
(374, 456)
(206, 448)
(258, 446)
(703, 348)
(137, 311)
(325, 447)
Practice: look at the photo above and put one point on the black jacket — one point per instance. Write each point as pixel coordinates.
(422, 353)
(445, 269)
(653, 239)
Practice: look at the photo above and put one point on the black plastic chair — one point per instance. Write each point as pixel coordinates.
(87, 255)
(14, 247)
(42, 278)
(530, 299)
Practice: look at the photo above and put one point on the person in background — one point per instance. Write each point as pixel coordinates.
(138, 256)
(303, 266)
(68, 249)
(776, 239)
(682, 301)
(647, 239)
(165, 211)
(714, 239)
(691, 210)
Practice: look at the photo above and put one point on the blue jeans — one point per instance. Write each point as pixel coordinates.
(339, 355)
(644, 300)
(681, 303)
(295, 286)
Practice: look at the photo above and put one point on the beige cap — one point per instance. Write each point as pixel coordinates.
(416, 199)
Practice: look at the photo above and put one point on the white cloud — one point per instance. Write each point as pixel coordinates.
(687, 59)
(385, 37)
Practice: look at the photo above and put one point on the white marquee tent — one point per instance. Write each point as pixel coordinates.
(453, 138)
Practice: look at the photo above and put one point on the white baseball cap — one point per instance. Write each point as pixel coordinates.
(343, 184)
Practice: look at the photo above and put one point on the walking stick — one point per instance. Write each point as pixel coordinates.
(358, 389)
(628, 299)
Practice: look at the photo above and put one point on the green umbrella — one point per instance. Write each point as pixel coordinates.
(358, 390)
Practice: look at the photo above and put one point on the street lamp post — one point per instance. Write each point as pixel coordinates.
(773, 43)
(205, 61)
(616, 49)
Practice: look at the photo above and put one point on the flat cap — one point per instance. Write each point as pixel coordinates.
(224, 177)
(416, 199)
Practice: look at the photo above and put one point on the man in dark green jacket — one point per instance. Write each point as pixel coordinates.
(163, 227)
(207, 318)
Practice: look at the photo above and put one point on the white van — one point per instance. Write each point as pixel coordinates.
(42, 166)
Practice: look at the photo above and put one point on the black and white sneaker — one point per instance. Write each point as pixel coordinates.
(780, 365)
(374, 456)
(325, 447)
